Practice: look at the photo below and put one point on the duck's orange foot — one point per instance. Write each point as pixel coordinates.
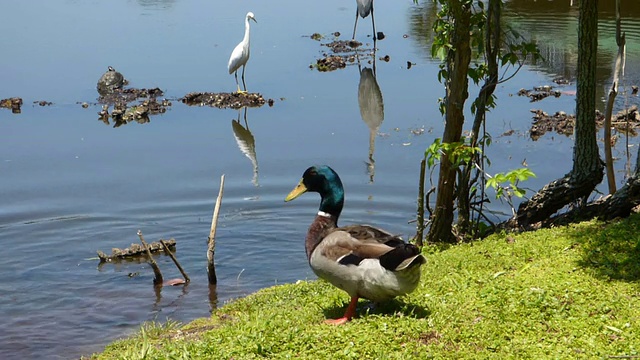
(351, 311)
(340, 321)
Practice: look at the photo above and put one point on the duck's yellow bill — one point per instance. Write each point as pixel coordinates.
(297, 191)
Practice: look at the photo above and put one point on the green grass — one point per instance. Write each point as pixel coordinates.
(570, 292)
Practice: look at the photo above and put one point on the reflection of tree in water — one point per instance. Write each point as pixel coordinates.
(553, 25)
(421, 19)
(371, 108)
(246, 142)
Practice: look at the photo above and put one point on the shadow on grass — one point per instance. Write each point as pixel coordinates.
(612, 251)
(394, 307)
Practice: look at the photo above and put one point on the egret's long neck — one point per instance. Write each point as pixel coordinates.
(246, 33)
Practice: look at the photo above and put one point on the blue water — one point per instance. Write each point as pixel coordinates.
(71, 185)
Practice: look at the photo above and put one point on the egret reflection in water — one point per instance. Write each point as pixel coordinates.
(371, 108)
(246, 142)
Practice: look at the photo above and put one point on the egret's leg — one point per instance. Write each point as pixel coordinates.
(374, 24)
(355, 25)
(236, 74)
(243, 83)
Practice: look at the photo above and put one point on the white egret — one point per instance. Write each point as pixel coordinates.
(240, 54)
(365, 7)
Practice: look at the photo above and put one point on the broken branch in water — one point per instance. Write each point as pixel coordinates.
(168, 251)
(211, 241)
(157, 280)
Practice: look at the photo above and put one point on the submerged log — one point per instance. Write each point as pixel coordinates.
(135, 251)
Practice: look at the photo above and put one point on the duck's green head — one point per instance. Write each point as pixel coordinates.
(326, 182)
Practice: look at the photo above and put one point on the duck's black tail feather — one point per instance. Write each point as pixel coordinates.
(400, 253)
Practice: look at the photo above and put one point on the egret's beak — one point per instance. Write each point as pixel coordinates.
(297, 191)
(254, 20)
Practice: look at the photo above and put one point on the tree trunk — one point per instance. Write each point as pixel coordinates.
(619, 205)
(586, 160)
(492, 48)
(458, 60)
(618, 70)
(588, 169)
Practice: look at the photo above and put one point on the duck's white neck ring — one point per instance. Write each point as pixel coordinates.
(324, 214)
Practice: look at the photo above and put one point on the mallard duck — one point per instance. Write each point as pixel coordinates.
(362, 260)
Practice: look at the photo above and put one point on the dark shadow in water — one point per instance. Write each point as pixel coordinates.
(157, 289)
(175, 304)
(157, 4)
(246, 142)
(371, 107)
(213, 297)
(394, 307)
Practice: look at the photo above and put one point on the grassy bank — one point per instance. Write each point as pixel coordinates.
(571, 292)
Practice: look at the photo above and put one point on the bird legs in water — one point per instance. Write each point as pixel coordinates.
(348, 314)
(373, 23)
(243, 83)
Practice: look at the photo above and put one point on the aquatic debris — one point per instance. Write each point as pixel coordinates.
(560, 122)
(13, 103)
(539, 92)
(417, 131)
(43, 103)
(331, 63)
(223, 100)
(343, 46)
(129, 95)
(342, 52)
(626, 121)
(561, 80)
(135, 250)
(316, 36)
(123, 114)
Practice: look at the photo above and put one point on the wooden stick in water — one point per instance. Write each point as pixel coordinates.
(211, 248)
(168, 251)
(420, 224)
(157, 280)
